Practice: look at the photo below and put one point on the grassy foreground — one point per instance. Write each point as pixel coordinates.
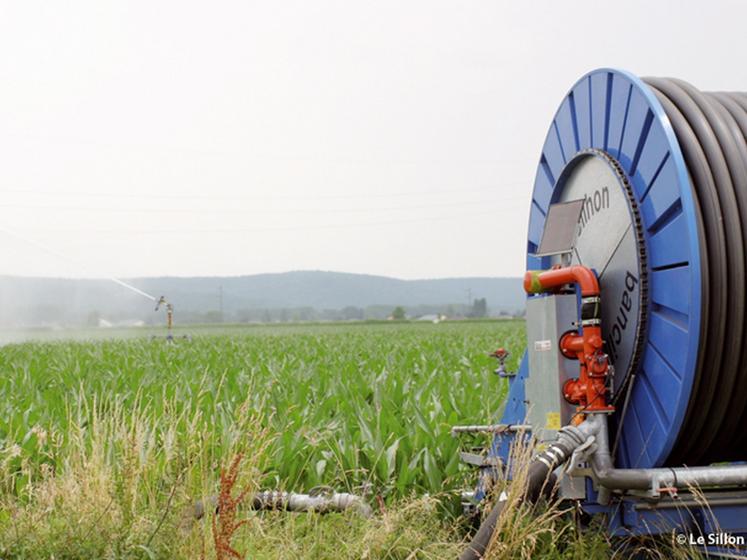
(105, 445)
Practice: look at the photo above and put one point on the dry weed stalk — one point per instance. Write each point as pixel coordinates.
(225, 524)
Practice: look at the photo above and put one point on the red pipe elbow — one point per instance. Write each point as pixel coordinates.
(536, 281)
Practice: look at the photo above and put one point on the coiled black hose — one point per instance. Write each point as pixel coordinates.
(711, 129)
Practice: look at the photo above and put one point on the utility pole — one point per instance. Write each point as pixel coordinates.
(220, 302)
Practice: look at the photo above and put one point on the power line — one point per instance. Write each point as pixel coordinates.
(243, 211)
(192, 196)
(249, 156)
(297, 227)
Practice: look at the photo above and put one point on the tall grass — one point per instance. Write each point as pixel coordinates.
(125, 483)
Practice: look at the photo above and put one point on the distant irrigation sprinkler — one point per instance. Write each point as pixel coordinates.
(169, 318)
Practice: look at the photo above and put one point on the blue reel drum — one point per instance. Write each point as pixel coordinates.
(662, 169)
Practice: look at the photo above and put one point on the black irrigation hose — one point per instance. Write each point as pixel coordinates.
(480, 542)
(711, 129)
(540, 483)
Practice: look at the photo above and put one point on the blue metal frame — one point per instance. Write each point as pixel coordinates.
(630, 517)
(514, 413)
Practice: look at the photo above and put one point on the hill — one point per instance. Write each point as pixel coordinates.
(38, 301)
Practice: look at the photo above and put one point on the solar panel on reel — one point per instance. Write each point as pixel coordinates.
(561, 228)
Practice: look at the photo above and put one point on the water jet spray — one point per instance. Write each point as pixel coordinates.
(55, 253)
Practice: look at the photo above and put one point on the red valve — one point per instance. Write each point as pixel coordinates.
(501, 354)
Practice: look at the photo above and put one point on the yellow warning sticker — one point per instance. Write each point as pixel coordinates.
(552, 421)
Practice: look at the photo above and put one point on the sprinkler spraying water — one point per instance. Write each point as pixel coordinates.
(169, 317)
(159, 302)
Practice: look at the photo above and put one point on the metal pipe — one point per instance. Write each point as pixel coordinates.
(324, 502)
(655, 479)
(490, 428)
(571, 439)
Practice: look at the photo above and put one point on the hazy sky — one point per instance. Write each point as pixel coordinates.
(397, 138)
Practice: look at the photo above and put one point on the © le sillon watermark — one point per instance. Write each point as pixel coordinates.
(711, 539)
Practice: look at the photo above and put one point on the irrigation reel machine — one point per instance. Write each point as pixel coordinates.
(634, 381)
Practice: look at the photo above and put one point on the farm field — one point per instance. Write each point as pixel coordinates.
(106, 442)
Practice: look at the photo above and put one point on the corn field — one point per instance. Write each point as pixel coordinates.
(344, 406)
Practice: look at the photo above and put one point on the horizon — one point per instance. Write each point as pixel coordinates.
(206, 276)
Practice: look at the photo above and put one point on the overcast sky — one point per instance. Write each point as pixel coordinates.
(216, 138)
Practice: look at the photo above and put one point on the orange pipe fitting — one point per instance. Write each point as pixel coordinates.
(589, 390)
(538, 281)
